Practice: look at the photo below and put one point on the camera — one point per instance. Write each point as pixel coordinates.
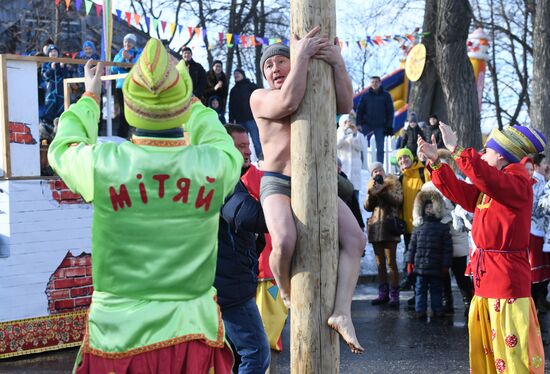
(378, 179)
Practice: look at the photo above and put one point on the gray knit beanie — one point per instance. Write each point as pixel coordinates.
(375, 165)
(277, 49)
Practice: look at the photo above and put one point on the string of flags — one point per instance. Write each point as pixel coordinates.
(167, 29)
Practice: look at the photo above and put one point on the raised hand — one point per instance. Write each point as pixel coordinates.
(92, 77)
(449, 136)
(427, 150)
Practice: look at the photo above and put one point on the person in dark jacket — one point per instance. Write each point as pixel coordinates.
(196, 71)
(385, 196)
(347, 194)
(375, 114)
(410, 135)
(214, 102)
(430, 253)
(216, 84)
(239, 107)
(433, 129)
(241, 220)
(53, 74)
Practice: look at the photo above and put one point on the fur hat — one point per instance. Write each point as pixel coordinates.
(420, 201)
(515, 142)
(157, 94)
(277, 49)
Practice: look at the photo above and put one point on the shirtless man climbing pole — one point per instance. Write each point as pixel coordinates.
(272, 108)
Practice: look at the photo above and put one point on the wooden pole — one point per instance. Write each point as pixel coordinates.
(314, 346)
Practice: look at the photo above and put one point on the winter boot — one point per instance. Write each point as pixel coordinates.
(394, 297)
(383, 297)
(466, 306)
(448, 307)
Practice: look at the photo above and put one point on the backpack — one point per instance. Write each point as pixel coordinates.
(422, 176)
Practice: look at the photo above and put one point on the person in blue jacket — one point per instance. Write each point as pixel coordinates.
(53, 74)
(375, 114)
(241, 222)
(129, 54)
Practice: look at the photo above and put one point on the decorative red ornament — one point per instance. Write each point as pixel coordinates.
(511, 301)
(500, 365)
(497, 305)
(511, 341)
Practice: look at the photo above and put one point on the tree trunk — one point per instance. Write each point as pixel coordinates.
(540, 108)
(455, 71)
(423, 90)
(314, 347)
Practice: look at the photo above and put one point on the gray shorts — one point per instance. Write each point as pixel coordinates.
(274, 184)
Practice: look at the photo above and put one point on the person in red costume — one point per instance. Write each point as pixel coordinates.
(503, 325)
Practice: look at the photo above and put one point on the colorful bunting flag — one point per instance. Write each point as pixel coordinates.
(172, 28)
(118, 14)
(57, 2)
(137, 18)
(98, 9)
(198, 32)
(148, 22)
(190, 29)
(163, 24)
(67, 3)
(88, 4)
(78, 5)
(243, 41)
(228, 37)
(128, 16)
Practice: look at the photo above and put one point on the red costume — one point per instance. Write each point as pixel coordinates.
(501, 201)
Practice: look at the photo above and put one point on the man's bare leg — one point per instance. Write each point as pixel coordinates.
(352, 243)
(282, 228)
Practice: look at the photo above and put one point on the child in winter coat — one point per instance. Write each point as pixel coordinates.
(430, 253)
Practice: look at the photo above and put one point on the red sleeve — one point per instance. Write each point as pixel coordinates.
(508, 186)
(456, 190)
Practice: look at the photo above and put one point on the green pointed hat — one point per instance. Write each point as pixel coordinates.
(157, 94)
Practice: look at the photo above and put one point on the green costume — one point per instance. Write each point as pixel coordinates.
(154, 237)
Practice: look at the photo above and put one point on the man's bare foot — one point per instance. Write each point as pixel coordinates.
(343, 325)
(285, 297)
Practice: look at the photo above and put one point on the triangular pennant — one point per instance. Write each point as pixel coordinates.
(57, 2)
(148, 22)
(98, 9)
(243, 40)
(237, 38)
(172, 28)
(163, 24)
(180, 28)
(204, 35)
(78, 5)
(359, 44)
(259, 41)
(88, 4)
(364, 44)
(379, 40)
(410, 37)
(266, 41)
(228, 37)
(128, 16)
(273, 291)
(341, 43)
(369, 40)
(198, 32)
(155, 24)
(252, 41)
(67, 3)
(190, 29)
(118, 14)
(137, 18)
(220, 38)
